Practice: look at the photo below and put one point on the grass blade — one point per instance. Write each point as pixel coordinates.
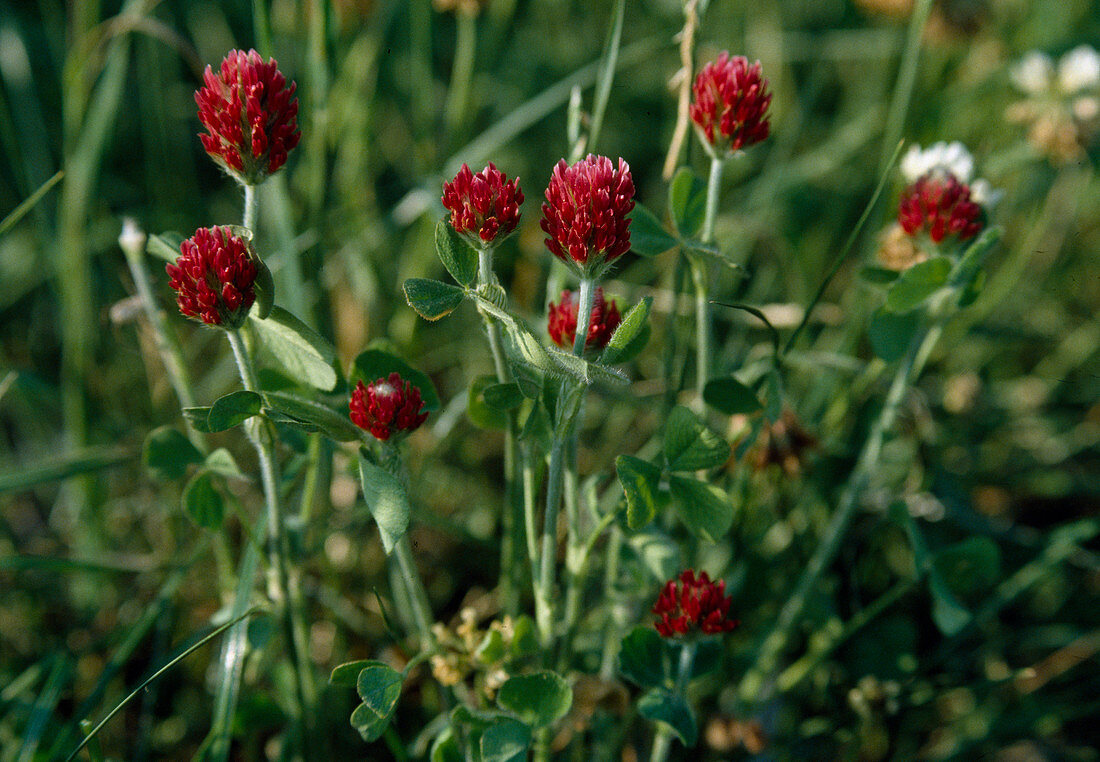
(29, 203)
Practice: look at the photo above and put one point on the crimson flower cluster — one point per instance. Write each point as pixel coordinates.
(484, 207)
(387, 406)
(940, 205)
(586, 213)
(214, 277)
(730, 105)
(693, 603)
(251, 116)
(562, 323)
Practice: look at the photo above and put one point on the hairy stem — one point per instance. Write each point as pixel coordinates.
(662, 741)
(278, 550)
(418, 596)
(699, 280)
(250, 205)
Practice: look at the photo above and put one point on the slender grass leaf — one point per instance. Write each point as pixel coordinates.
(30, 202)
(336, 424)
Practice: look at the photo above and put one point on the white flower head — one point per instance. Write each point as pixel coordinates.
(1033, 73)
(952, 158)
(1079, 69)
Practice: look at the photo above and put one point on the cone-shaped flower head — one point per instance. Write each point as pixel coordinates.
(693, 603)
(251, 116)
(387, 406)
(562, 323)
(484, 207)
(940, 205)
(730, 104)
(214, 277)
(585, 214)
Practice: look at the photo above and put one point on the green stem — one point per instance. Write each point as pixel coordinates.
(280, 582)
(662, 741)
(699, 280)
(758, 684)
(585, 300)
(611, 574)
(418, 596)
(462, 71)
(250, 205)
(907, 75)
(544, 580)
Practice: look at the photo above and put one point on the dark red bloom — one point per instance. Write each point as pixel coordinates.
(484, 207)
(939, 204)
(731, 102)
(213, 277)
(386, 406)
(251, 116)
(562, 323)
(585, 213)
(693, 602)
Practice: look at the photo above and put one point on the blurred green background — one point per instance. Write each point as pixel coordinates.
(102, 576)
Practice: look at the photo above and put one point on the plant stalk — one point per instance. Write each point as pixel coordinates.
(758, 683)
(418, 596)
(250, 205)
(662, 741)
(278, 550)
(699, 280)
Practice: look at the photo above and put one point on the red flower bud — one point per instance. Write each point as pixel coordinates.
(213, 277)
(251, 116)
(386, 406)
(562, 323)
(941, 205)
(484, 207)
(693, 602)
(731, 102)
(585, 213)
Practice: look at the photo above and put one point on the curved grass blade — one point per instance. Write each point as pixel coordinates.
(187, 652)
(43, 707)
(29, 203)
(608, 63)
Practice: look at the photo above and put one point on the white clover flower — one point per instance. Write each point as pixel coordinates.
(1079, 69)
(952, 158)
(1033, 73)
(985, 195)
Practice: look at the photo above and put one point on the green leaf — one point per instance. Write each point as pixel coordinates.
(202, 501)
(525, 639)
(165, 246)
(221, 462)
(621, 346)
(731, 397)
(891, 333)
(379, 685)
(704, 509)
(233, 409)
(539, 699)
(167, 453)
(878, 276)
(641, 481)
(661, 705)
(374, 364)
(690, 445)
(197, 416)
(949, 614)
(480, 413)
(432, 299)
(302, 353)
(335, 424)
(347, 674)
(503, 396)
(386, 500)
(969, 267)
(491, 648)
(648, 236)
(644, 659)
(708, 657)
(445, 748)
(687, 201)
(969, 567)
(918, 283)
(505, 741)
(658, 552)
(456, 255)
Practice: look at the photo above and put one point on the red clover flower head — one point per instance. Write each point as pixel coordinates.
(387, 406)
(693, 602)
(214, 277)
(251, 116)
(484, 207)
(562, 323)
(585, 214)
(730, 104)
(939, 204)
